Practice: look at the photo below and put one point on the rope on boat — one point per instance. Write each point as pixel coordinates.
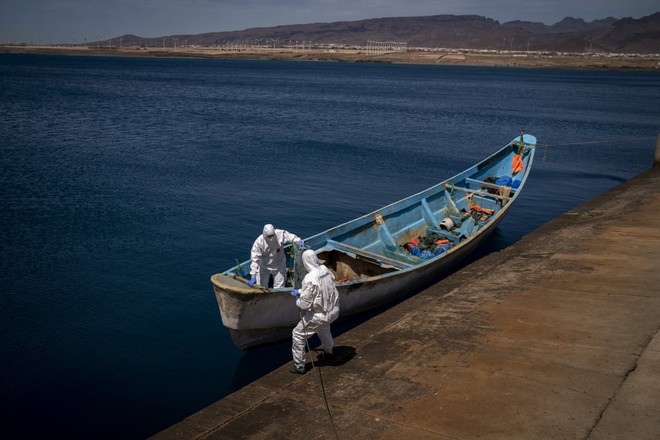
(606, 141)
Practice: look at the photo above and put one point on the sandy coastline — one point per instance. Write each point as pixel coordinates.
(649, 62)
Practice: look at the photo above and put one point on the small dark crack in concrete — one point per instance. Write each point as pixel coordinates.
(611, 399)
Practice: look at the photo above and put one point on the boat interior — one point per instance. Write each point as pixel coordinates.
(377, 243)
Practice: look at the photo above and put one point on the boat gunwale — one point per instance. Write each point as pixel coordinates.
(246, 293)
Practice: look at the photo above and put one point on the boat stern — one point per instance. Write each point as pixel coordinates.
(247, 308)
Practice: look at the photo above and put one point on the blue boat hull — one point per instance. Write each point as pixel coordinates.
(370, 255)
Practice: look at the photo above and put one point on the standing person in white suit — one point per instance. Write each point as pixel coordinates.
(318, 300)
(268, 256)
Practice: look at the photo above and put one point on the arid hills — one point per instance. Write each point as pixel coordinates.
(620, 44)
(608, 35)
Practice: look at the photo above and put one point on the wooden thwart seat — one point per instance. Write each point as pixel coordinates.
(479, 192)
(366, 254)
(482, 183)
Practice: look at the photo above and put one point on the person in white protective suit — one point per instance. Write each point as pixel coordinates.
(268, 256)
(318, 300)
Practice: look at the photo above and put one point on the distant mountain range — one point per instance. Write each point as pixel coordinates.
(625, 35)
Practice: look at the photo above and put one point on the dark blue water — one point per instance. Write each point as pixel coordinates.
(125, 183)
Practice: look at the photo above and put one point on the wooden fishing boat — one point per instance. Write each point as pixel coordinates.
(380, 256)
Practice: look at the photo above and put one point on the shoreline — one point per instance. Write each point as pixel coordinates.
(457, 57)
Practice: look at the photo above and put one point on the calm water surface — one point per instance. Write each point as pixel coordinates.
(127, 182)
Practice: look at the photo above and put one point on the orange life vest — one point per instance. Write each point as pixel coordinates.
(482, 210)
(516, 164)
(413, 243)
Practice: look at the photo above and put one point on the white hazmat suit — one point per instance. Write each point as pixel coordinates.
(319, 301)
(268, 256)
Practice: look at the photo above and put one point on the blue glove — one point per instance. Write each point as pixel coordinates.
(301, 243)
(295, 292)
(252, 281)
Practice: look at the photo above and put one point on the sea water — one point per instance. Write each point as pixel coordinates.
(127, 182)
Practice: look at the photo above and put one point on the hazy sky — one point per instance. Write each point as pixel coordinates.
(68, 21)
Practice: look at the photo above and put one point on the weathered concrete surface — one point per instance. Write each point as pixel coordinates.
(555, 337)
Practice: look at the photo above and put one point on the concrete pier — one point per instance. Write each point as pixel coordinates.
(555, 337)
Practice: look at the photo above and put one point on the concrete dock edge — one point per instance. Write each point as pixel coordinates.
(554, 337)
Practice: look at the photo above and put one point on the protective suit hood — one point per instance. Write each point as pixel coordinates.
(269, 232)
(310, 260)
